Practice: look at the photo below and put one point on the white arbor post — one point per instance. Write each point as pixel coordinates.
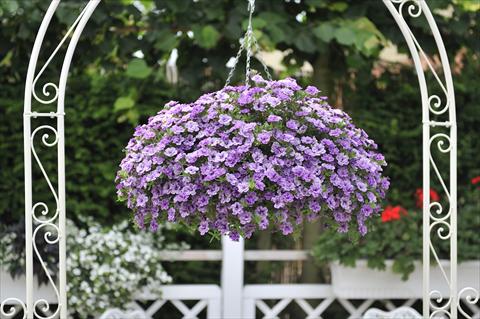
(232, 278)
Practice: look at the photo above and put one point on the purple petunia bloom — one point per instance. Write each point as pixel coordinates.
(286, 228)
(264, 137)
(312, 90)
(243, 187)
(251, 198)
(234, 235)
(245, 218)
(171, 151)
(142, 200)
(191, 126)
(273, 118)
(224, 119)
(247, 158)
(232, 179)
(177, 129)
(191, 170)
(362, 186)
(245, 98)
(203, 227)
(292, 124)
(171, 214)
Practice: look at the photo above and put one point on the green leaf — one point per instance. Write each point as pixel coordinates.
(123, 103)
(324, 32)
(165, 40)
(371, 43)
(338, 6)
(10, 6)
(7, 60)
(271, 17)
(138, 69)
(276, 33)
(355, 61)
(345, 36)
(131, 116)
(366, 25)
(207, 37)
(316, 3)
(257, 23)
(305, 43)
(148, 4)
(179, 5)
(468, 5)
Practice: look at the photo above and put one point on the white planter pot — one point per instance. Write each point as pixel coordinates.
(361, 282)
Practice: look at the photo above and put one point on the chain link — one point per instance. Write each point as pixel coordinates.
(246, 43)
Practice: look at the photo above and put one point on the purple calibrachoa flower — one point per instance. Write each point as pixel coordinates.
(248, 158)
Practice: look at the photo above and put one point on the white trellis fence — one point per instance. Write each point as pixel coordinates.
(439, 132)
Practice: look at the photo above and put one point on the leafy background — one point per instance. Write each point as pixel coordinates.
(112, 88)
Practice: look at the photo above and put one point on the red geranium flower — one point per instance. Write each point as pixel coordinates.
(475, 180)
(393, 213)
(434, 197)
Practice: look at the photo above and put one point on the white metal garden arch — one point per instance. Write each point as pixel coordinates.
(437, 221)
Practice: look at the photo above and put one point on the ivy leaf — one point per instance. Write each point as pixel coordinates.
(138, 69)
(207, 37)
(123, 103)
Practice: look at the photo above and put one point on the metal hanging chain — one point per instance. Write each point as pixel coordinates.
(246, 44)
(248, 40)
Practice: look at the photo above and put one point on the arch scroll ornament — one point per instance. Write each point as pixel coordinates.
(438, 116)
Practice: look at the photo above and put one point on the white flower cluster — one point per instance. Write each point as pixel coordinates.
(108, 267)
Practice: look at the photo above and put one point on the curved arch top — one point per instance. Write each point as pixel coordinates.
(432, 105)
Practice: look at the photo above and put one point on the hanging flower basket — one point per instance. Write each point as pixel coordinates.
(248, 157)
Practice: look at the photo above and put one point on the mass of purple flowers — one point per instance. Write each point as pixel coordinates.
(252, 157)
